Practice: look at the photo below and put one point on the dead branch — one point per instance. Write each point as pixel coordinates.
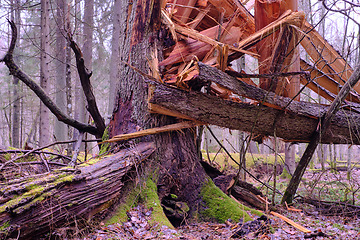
(87, 88)
(34, 151)
(17, 72)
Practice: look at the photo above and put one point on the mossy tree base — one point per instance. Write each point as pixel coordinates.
(220, 207)
(144, 193)
(216, 206)
(34, 206)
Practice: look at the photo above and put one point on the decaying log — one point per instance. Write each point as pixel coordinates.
(33, 206)
(333, 208)
(244, 194)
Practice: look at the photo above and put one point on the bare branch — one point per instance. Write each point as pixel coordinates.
(17, 72)
(86, 86)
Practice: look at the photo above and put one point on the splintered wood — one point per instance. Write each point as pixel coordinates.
(216, 33)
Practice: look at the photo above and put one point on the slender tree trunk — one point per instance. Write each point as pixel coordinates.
(114, 65)
(15, 130)
(69, 104)
(44, 129)
(60, 66)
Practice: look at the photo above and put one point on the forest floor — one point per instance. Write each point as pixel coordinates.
(328, 185)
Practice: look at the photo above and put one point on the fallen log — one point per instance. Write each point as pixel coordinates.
(296, 123)
(333, 208)
(30, 207)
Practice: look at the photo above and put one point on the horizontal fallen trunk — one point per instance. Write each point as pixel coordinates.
(333, 208)
(296, 123)
(33, 206)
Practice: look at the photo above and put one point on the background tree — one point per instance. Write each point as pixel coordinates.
(16, 113)
(44, 128)
(60, 128)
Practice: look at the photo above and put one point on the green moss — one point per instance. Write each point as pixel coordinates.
(150, 199)
(183, 207)
(146, 194)
(35, 192)
(17, 199)
(7, 156)
(105, 146)
(64, 178)
(32, 186)
(221, 207)
(120, 214)
(173, 196)
(285, 174)
(4, 226)
(91, 162)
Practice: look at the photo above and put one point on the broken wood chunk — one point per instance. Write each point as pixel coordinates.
(150, 131)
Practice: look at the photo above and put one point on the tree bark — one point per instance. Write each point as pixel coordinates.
(293, 126)
(180, 172)
(31, 208)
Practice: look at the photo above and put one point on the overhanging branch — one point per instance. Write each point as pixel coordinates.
(17, 72)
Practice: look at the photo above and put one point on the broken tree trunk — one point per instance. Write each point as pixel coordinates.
(293, 121)
(273, 51)
(321, 130)
(32, 206)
